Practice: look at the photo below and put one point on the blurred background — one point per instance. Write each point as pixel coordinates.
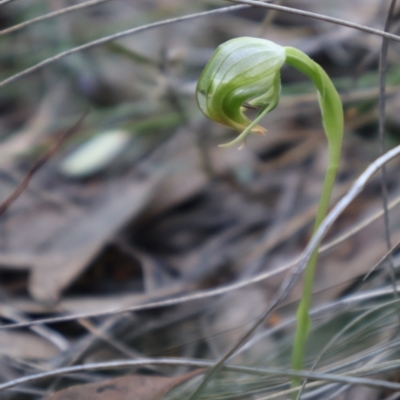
(140, 205)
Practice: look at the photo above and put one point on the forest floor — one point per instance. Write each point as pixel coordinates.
(139, 238)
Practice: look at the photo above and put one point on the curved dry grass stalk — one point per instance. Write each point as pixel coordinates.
(54, 14)
(320, 17)
(355, 190)
(244, 4)
(382, 119)
(115, 36)
(187, 362)
(358, 227)
(347, 327)
(333, 308)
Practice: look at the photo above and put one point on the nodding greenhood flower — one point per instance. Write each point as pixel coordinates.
(247, 71)
(242, 71)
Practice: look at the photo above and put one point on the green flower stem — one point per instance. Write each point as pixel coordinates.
(332, 119)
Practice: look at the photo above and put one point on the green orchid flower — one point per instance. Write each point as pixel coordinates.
(246, 71)
(242, 70)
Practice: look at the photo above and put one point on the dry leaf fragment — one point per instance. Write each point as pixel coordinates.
(137, 387)
(95, 155)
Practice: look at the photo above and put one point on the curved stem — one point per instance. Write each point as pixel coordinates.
(332, 119)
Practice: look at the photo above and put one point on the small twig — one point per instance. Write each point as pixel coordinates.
(39, 163)
(2, 2)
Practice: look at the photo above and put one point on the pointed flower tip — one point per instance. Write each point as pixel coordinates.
(259, 130)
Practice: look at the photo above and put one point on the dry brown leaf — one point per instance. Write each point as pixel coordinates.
(58, 246)
(138, 387)
(84, 237)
